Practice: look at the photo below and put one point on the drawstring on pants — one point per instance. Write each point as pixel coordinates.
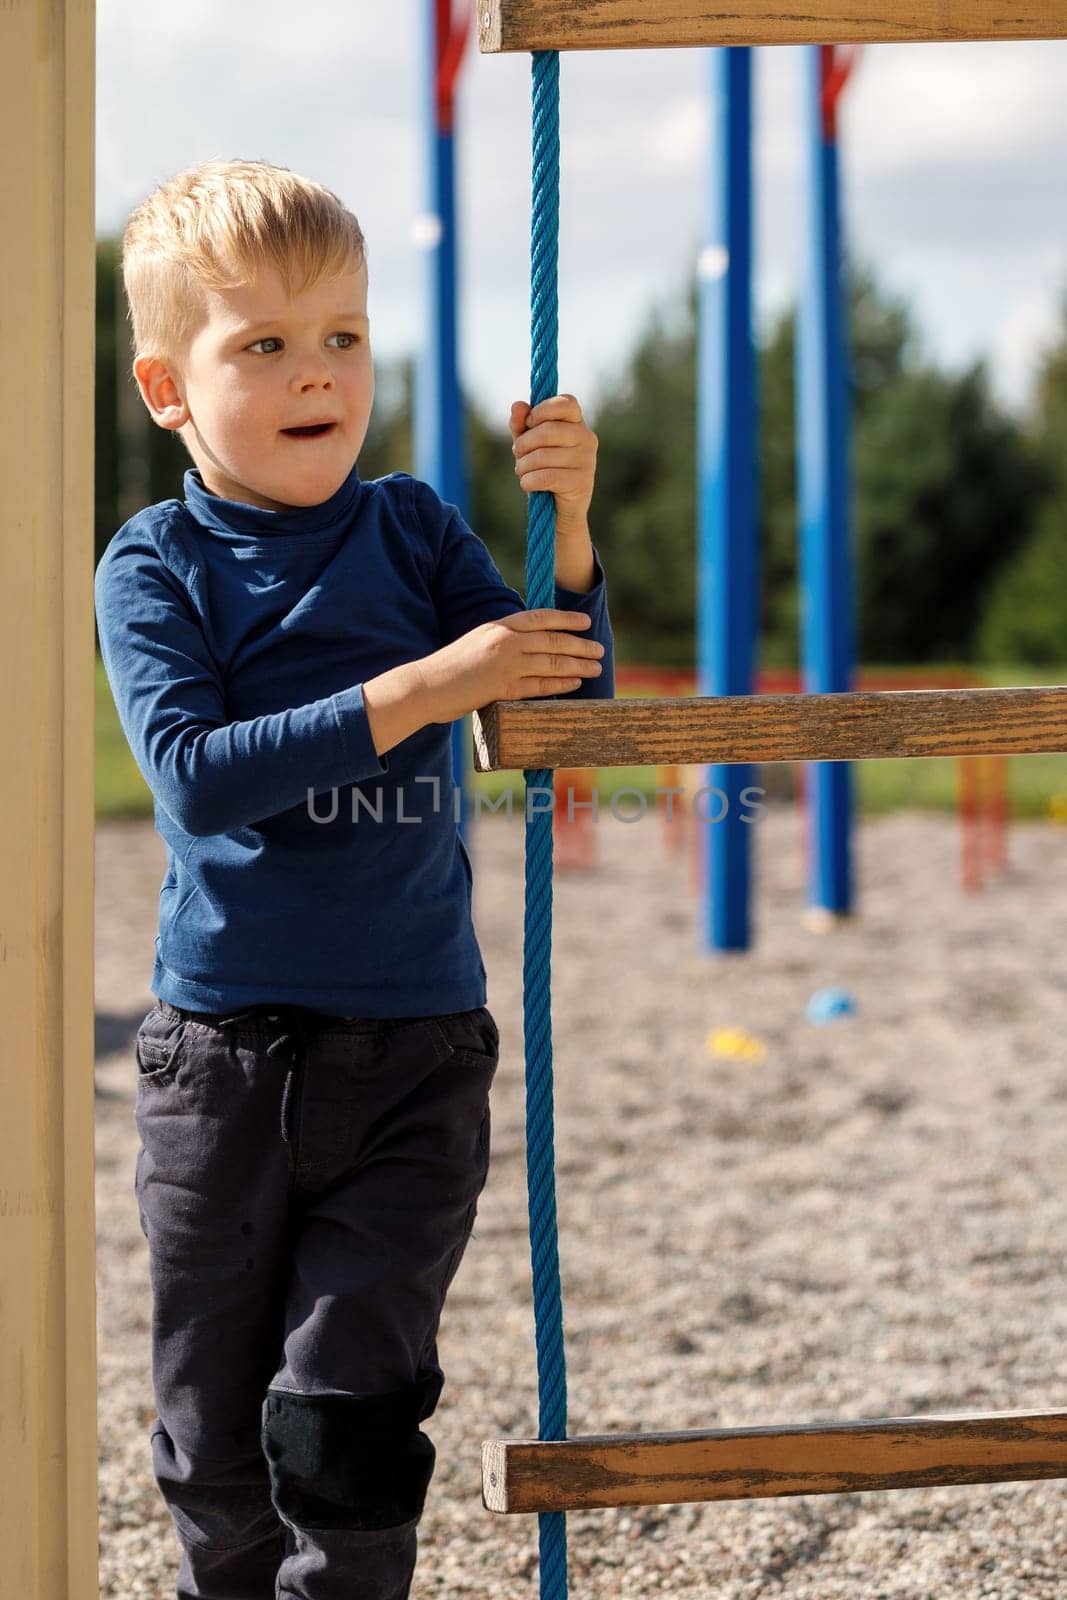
(287, 1100)
(292, 1036)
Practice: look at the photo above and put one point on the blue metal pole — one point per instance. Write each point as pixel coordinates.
(439, 432)
(727, 578)
(822, 487)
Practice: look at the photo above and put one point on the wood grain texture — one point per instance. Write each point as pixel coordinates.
(669, 24)
(761, 1463)
(49, 1491)
(769, 727)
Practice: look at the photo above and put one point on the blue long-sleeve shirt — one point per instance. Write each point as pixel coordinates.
(237, 641)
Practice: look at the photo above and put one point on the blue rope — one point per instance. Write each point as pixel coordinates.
(537, 936)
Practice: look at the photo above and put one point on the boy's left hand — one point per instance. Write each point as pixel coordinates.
(555, 450)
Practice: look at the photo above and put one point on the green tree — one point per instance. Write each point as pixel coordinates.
(647, 479)
(645, 504)
(1050, 420)
(1026, 619)
(883, 342)
(945, 489)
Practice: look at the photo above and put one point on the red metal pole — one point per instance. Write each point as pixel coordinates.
(452, 34)
(970, 861)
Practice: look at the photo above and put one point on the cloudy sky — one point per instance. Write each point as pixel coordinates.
(954, 164)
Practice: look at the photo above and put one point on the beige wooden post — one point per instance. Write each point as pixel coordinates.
(48, 1481)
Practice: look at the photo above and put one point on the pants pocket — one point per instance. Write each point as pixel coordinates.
(473, 1034)
(157, 1048)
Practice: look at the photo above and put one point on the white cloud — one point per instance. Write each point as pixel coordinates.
(678, 139)
(975, 104)
(315, 31)
(662, 138)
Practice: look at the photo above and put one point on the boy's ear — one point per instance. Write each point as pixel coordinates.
(160, 392)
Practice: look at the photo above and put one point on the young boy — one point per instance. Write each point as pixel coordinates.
(287, 647)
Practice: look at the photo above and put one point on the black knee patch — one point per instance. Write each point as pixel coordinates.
(349, 1461)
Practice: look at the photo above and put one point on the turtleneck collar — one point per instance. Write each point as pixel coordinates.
(237, 517)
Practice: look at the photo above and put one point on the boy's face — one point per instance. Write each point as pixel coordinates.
(259, 365)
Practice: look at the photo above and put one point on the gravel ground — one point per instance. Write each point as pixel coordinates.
(871, 1221)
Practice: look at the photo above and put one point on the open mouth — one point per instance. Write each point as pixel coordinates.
(315, 432)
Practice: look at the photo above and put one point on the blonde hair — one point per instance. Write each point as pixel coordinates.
(218, 225)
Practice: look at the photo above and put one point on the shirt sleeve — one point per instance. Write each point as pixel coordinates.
(210, 774)
(468, 589)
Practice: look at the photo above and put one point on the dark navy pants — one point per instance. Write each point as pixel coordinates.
(307, 1185)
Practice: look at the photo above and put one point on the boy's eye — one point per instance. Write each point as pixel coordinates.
(270, 339)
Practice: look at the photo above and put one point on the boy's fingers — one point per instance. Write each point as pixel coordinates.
(546, 617)
(551, 618)
(549, 665)
(558, 405)
(562, 647)
(567, 435)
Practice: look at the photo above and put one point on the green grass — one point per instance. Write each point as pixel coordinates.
(120, 789)
(881, 786)
(930, 785)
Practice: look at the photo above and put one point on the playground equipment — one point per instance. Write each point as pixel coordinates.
(824, 504)
(982, 804)
(825, 1004)
(552, 1474)
(736, 1044)
(438, 422)
(48, 1467)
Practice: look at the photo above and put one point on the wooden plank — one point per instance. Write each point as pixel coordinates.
(49, 1491)
(669, 24)
(769, 727)
(522, 1475)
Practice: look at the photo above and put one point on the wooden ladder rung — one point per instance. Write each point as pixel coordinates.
(542, 733)
(668, 24)
(759, 1463)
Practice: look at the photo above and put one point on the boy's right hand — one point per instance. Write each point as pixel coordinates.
(514, 658)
